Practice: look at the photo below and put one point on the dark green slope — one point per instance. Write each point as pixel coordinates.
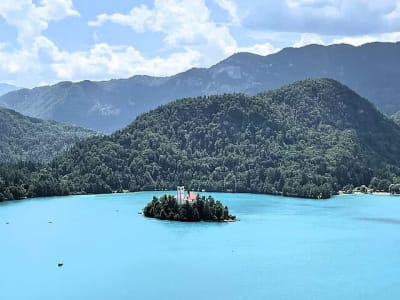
(306, 139)
(372, 70)
(25, 138)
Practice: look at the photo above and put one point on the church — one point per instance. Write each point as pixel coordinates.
(182, 196)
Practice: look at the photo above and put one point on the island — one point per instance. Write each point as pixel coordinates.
(187, 207)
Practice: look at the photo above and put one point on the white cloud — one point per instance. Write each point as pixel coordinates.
(260, 49)
(31, 19)
(355, 41)
(54, 10)
(183, 23)
(103, 61)
(139, 19)
(38, 55)
(394, 15)
(189, 35)
(310, 3)
(309, 38)
(360, 40)
(231, 7)
(4, 45)
(325, 17)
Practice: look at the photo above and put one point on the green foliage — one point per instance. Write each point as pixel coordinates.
(307, 139)
(27, 179)
(25, 138)
(394, 188)
(203, 209)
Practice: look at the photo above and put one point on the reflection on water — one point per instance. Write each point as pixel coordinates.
(381, 220)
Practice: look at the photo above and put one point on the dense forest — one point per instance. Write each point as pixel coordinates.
(203, 209)
(307, 139)
(28, 139)
(28, 179)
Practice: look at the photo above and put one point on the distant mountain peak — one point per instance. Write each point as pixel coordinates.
(5, 88)
(372, 70)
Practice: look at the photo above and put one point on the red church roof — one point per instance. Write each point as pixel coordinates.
(192, 196)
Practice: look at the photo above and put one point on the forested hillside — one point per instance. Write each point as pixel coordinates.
(25, 138)
(306, 139)
(372, 70)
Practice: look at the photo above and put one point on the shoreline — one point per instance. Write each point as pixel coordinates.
(372, 193)
(339, 193)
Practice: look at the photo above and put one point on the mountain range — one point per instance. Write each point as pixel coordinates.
(5, 88)
(25, 138)
(396, 118)
(372, 70)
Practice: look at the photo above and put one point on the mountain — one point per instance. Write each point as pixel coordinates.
(5, 88)
(372, 70)
(307, 139)
(396, 118)
(26, 138)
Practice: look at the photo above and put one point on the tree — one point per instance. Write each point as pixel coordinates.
(167, 208)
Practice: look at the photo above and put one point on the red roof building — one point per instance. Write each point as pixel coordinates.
(182, 196)
(192, 196)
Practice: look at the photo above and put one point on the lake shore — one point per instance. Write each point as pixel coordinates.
(372, 193)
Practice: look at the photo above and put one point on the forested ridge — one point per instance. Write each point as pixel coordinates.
(307, 139)
(24, 138)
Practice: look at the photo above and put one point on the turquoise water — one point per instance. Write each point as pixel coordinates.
(282, 248)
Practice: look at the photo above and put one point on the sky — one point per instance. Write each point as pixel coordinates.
(46, 41)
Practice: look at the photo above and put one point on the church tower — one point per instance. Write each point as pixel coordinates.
(180, 194)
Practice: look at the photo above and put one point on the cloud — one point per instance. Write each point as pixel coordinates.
(309, 38)
(326, 17)
(101, 61)
(184, 23)
(31, 19)
(360, 40)
(139, 19)
(54, 10)
(17, 61)
(260, 49)
(231, 7)
(104, 60)
(310, 3)
(189, 35)
(394, 15)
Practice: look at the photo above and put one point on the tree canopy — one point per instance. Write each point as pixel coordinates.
(307, 139)
(203, 209)
(28, 139)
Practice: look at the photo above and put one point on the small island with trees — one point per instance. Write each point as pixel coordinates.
(187, 207)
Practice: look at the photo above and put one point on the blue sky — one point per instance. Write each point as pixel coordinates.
(46, 41)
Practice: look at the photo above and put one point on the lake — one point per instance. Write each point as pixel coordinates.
(347, 247)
